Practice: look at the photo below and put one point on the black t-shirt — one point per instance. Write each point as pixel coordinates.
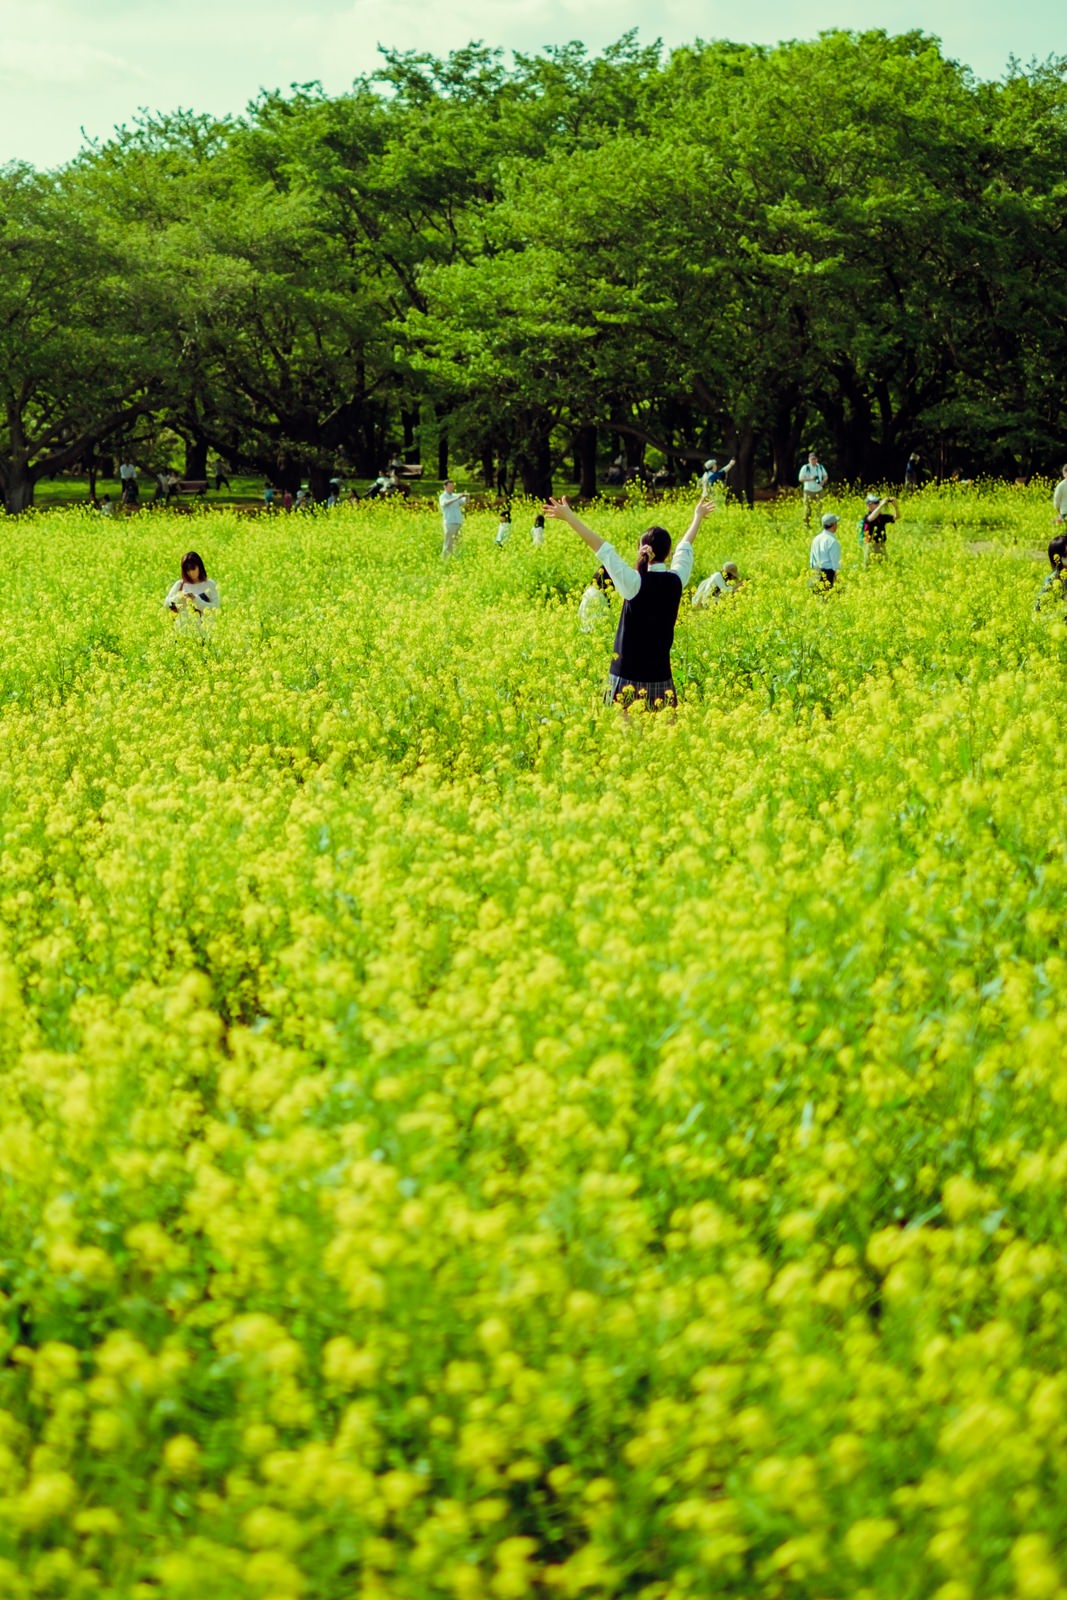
(874, 527)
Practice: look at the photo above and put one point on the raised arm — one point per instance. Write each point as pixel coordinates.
(561, 511)
(700, 511)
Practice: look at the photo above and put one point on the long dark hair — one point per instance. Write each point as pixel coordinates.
(655, 546)
(191, 559)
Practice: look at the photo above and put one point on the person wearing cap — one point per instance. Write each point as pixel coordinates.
(713, 474)
(826, 552)
(876, 519)
(451, 505)
(728, 581)
(813, 480)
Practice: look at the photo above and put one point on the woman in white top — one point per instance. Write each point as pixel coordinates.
(195, 593)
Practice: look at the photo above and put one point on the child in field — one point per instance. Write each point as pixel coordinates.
(652, 592)
(593, 607)
(503, 532)
(1053, 587)
(537, 532)
(194, 596)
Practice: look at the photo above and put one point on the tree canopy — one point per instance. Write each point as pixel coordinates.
(849, 242)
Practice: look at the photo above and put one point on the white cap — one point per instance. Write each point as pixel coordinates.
(829, 521)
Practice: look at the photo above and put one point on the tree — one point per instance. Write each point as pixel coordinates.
(77, 360)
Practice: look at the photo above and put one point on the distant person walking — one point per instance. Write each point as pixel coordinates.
(128, 482)
(813, 479)
(652, 593)
(451, 505)
(825, 557)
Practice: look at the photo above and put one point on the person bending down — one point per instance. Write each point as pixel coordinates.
(651, 594)
(728, 581)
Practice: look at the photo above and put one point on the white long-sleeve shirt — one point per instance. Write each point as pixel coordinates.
(627, 579)
(710, 590)
(593, 608)
(452, 508)
(201, 597)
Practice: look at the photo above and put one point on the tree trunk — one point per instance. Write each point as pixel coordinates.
(409, 422)
(585, 461)
(319, 482)
(744, 453)
(195, 458)
(286, 474)
(442, 456)
(18, 488)
(535, 466)
(488, 466)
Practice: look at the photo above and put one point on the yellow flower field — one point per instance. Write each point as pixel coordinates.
(455, 1141)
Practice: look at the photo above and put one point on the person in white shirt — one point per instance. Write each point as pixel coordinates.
(594, 608)
(128, 480)
(813, 480)
(537, 532)
(451, 505)
(826, 552)
(1059, 498)
(728, 581)
(503, 532)
(194, 596)
(652, 593)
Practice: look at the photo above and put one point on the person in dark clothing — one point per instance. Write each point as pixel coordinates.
(1054, 587)
(876, 519)
(651, 593)
(914, 471)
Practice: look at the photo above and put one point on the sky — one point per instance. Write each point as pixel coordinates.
(74, 69)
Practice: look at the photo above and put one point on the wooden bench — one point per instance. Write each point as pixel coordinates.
(408, 469)
(190, 486)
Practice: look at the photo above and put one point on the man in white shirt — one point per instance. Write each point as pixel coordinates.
(1059, 498)
(728, 581)
(813, 480)
(826, 552)
(451, 505)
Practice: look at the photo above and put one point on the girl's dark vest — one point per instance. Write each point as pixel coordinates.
(645, 633)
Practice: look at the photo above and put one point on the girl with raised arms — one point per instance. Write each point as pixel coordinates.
(651, 594)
